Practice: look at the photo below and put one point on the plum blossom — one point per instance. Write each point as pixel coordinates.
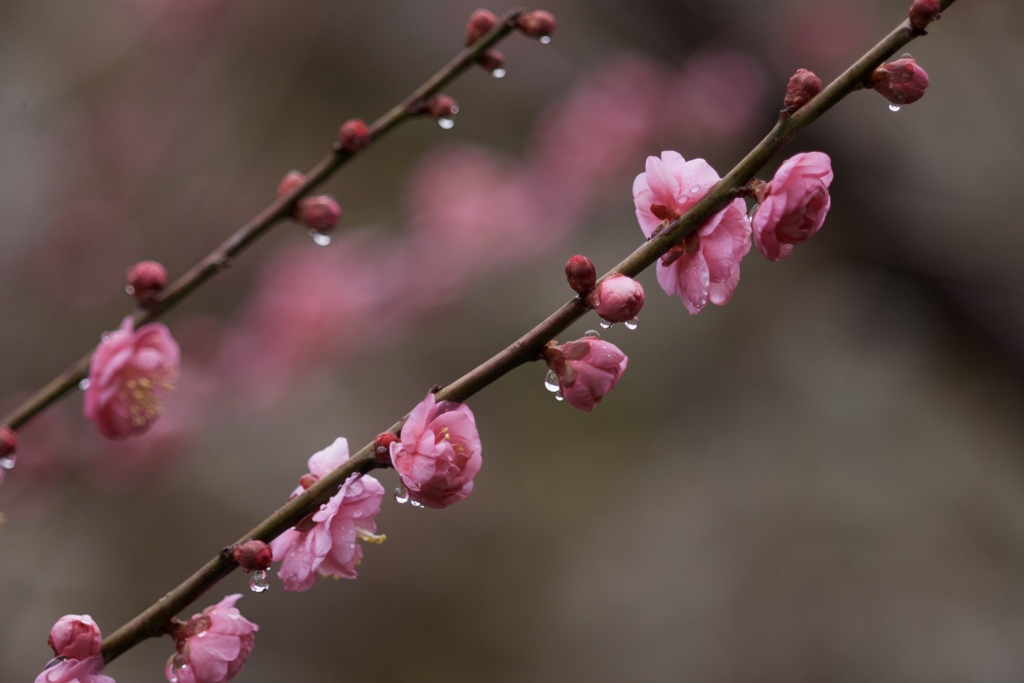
(130, 374)
(706, 266)
(587, 369)
(438, 453)
(795, 205)
(73, 670)
(211, 646)
(75, 640)
(617, 299)
(325, 542)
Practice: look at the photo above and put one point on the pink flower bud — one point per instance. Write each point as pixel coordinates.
(290, 181)
(580, 273)
(536, 24)
(441, 107)
(492, 60)
(803, 86)
(924, 12)
(88, 670)
(353, 135)
(794, 206)
(617, 299)
(382, 448)
(901, 82)
(146, 280)
(480, 22)
(212, 646)
(252, 555)
(587, 369)
(320, 213)
(8, 442)
(76, 636)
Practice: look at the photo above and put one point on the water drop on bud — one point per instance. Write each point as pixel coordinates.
(8, 446)
(252, 555)
(258, 581)
(319, 239)
(446, 123)
(493, 61)
(401, 494)
(901, 82)
(382, 448)
(537, 24)
(551, 382)
(440, 106)
(320, 214)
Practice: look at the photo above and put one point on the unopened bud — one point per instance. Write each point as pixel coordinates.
(8, 442)
(492, 60)
(353, 135)
(617, 299)
(252, 555)
(441, 107)
(75, 636)
(382, 448)
(320, 213)
(924, 12)
(537, 24)
(803, 86)
(291, 180)
(146, 280)
(580, 273)
(480, 22)
(901, 82)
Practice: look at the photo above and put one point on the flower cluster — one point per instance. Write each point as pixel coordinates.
(212, 646)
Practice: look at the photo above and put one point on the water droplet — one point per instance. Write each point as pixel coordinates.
(498, 73)
(8, 462)
(545, 40)
(179, 661)
(129, 290)
(559, 396)
(446, 123)
(319, 238)
(906, 55)
(632, 324)
(357, 513)
(84, 384)
(753, 210)
(551, 381)
(258, 581)
(605, 324)
(593, 334)
(893, 106)
(401, 494)
(694, 189)
(416, 504)
(105, 337)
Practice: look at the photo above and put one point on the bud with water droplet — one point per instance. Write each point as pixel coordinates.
(320, 213)
(258, 582)
(587, 369)
(901, 82)
(581, 274)
(441, 108)
(922, 13)
(617, 298)
(146, 281)
(537, 24)
(802, 86)
(252, 555)
(353, 135)
(8, 447)
(494, 62)
(382, 448)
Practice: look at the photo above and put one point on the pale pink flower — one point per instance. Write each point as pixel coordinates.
(212, 646)
(795, 206)
(76, 636)
(706, 266)
(325, 542)
(130, 373)
(73, 670)
(587, 370)
(617, 299)
(438, 452)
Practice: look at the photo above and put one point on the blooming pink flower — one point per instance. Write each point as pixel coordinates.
(73, 670)
(325, 542)
(795, 206)
(76, 636)
(212, 646)
(587, 369)
(130, 373)
(706, 266)
(617, 299)
(438, 452)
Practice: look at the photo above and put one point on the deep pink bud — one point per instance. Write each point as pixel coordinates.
(617, 299)
(492, 60)
(537, 24)
(8, 442)
(901, 82)
(353, 135)
(75, 636)
(146, 280)
(320, 213)
(587, 369)
(382, 447)
(252, 555)
(803, 86)
(924, 12)
(441, 107)
(580, 273)
(291, 180)
(480, 22)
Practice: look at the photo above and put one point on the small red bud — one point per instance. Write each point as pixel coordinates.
(537, 24)
(440, 106)
(901, 82)
(580, 273)
(252, 555)
(291, 180)
(8, 442)
(492, 60)
(146, 280)
(320, 213)
(353, 135)
(924, 12)
(803, 86)
(307, 480)
(382, 448)
(480, 22)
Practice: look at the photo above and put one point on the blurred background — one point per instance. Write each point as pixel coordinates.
(821, 481)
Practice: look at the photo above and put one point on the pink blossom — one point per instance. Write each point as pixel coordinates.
(130, 373)
(617, 299)
(76, 636)
(325, 542)
(587, 370)
(212, 646)
(706, 266)
(438, 452)
(795, 206)
(73, 670)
